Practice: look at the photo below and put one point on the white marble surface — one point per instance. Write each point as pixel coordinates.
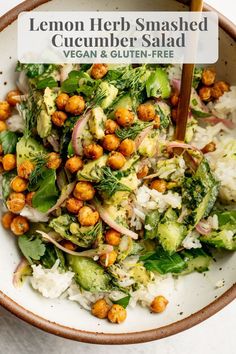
(214, 336)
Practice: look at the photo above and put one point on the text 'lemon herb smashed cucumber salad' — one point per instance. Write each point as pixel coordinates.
(102, 205)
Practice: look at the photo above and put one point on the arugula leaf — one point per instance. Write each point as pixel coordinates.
(46, 195)
(47, 82)
(32, 247)
(199, 114)
(6, 182)
(124, 301)
(163, 263)
(8, 140)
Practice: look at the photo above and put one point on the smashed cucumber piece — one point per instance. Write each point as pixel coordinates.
(158, 85)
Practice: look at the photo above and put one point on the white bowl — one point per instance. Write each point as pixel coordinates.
(193, 298)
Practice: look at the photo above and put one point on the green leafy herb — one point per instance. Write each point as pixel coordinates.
(163, 263)
(50, 256)
(109, 182)
(200, 114)
(39, 171)
(131, 132)
(47, 82)
(32, 247)
(32, 70)
(47, 193)
(7, 177)
(164, 119)
(124, 301)
(193, 192)
(30, 110)
(8, 140)
(197, 76)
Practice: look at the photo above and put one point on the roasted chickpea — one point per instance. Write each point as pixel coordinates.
(100, 308)
(124, 117)
(84, 191)
(93, 151)
(174, 115)
(9, 162)
(7, 219)
(111, 126)
(205, 93)
(75, 105)
(19, 225)
(159, 304)
(25, 169)
(62, 100)
(53, 161)
(13, 97)
(208, 77)
(223, 86)
(68, 245)
(110, 142)
(143, 172)
(127, 147)
(116, 160)
(157, 122)
(159, 185)
(117, 314)
(87, 216)
(5, 110)
(19, 184)
(174, 100)
(3, 126)
(73, 205)
(16, 202)
(74, 164)
(112, 237)
(59, 118)
(209, 147)
(99, 70)
(29, 198)
(146, 112)
(108, 259)
(219, 89)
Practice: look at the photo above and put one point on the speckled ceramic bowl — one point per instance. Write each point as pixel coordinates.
(193, 298)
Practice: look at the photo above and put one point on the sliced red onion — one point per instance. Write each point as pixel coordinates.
(77, 133)
(139, 139)
(203, 227)
(103, 249)
(23, 269)
(178, 144)
(54, 142)
(66, 191)
(109, 221)
(214, 120)
(176, 83)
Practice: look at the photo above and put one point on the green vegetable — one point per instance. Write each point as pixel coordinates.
(197, 76)
(31, 110)
(44, 122)
(37, 175)
(122, 101)
(47, 193)
(88, 274)
(32, 247)
(220, 239)
(8, 140)
(50, 256)
(92, 170)
(7, 177)
(197, 260)
(131, 132)
(226, 219)
(67, 227)
(110, 92)
(200, 114)
(151, 220)
(32, 70)
(47, 82)
(28, 149)
(164, 117)
(72, 83)
(124, 301)
(158, 85)
(170, 232)
(163, 263)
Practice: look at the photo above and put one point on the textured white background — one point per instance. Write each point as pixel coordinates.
(214, 336)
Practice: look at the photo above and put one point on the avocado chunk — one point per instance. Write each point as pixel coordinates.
(170, 232)
(44, 123)
(90, 171)
(197, 260)
(97, 122)
(124, 101)
(110, 92)
(88, 274)
(27, 149)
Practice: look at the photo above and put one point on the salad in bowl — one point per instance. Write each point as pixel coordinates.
(102, 199)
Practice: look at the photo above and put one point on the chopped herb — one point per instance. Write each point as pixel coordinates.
(200, 114)
(124, 301)
(32, 247)
(8, 140)
(131, 132)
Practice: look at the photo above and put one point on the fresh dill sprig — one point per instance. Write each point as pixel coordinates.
(30, 110)
(131, 132)
(110, 182)
(36, 175)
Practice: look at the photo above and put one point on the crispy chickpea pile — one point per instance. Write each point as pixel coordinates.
(210, 89)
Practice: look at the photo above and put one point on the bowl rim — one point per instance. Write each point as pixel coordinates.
(113, 338)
